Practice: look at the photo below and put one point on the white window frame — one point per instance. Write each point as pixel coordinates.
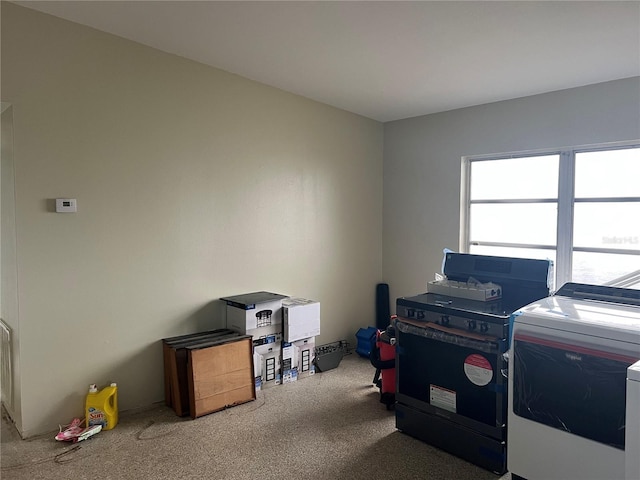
(565, 200)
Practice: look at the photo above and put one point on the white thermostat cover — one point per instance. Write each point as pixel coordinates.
(66, 205)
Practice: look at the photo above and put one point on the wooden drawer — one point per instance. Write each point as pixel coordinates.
(220, 376)
(216, 374)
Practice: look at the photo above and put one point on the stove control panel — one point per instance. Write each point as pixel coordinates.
(492, 329)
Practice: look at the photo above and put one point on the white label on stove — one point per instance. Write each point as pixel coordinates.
(442, 397)
(478, 370)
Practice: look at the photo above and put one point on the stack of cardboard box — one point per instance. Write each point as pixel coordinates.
(301, 320)
(283, 334)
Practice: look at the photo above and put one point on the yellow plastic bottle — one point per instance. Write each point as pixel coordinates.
(101, 407)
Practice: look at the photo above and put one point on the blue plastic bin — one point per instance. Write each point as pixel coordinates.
(365, 337)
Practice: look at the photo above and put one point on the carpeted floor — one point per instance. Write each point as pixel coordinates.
(328, 426)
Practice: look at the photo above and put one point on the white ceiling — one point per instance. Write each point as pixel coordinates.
(386, 60)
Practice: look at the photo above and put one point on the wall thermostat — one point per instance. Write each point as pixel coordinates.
(66, 205)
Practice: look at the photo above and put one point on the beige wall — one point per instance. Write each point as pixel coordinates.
(422, 163)
(192, 184)
(8, 267)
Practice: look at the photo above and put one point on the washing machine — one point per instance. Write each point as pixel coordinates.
(574, 386)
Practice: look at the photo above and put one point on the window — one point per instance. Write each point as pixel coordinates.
(579, 208)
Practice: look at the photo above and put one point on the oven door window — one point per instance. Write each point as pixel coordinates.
(571, 388)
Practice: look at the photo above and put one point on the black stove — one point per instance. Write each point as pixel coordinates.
(451, 391)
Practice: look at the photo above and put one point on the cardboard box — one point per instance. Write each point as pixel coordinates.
(267, 362)
(298, 359)
(263, 332)
(257, 311)
(289, 363)
(301, 319)
(271, 338)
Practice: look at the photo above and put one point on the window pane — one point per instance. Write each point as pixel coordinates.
(515, 178)
(601, 268)
(609, 173)
(526, 223)
(607, 225)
